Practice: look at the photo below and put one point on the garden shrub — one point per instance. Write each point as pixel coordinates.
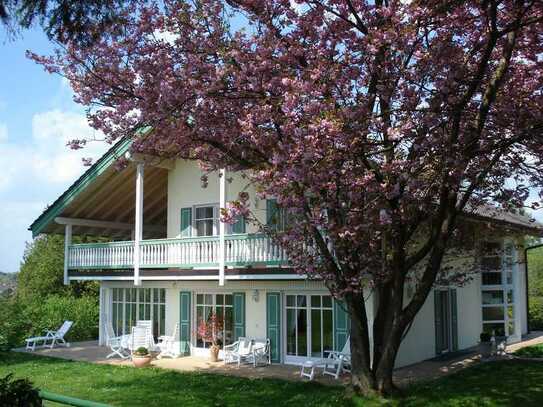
(18, 393)
(55, 309)
(536, 313)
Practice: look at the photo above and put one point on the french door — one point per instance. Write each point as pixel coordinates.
(309, 331)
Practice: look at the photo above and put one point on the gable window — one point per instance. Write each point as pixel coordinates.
(206, 220)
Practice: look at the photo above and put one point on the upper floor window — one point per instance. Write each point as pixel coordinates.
(206, 220)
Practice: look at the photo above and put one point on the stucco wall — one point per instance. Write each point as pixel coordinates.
(185, 190)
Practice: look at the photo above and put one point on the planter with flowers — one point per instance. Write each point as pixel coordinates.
(210, 330)
(141, 357)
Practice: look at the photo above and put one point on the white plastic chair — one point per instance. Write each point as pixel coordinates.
(333, 365)
(238, 351)
(169, 345)
(53, 336)
(115, 343)
(140, 338)
(260, 352)
(338, 362)
(149, 325)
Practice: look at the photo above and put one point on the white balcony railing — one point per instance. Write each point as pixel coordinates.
(240, 250)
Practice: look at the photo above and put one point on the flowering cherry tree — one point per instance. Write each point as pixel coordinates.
(376, 123)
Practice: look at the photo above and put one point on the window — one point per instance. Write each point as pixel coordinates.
(310, 327)
(206, 220)
(222, 305)
(497, 264)
(132, 304)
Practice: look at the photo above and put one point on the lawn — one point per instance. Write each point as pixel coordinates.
(504, 383)
(534, 351)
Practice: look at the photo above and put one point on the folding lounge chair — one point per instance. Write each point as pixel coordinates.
(149, 325)
(53, 336)
(333, 365)
(169, 345)
(115, 344)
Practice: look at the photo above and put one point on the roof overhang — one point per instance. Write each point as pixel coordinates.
(102, 201)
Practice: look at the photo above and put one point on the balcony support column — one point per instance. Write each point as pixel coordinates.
(138, 231)
(67, 243)
(222, 225)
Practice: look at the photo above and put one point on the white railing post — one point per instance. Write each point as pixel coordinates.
(138, 235)
(222, 205)
(67, 243)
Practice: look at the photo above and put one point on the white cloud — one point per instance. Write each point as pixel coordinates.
(46, 158)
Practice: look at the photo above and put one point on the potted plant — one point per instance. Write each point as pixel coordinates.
(141, 357)
(485, 346)
(210, 330)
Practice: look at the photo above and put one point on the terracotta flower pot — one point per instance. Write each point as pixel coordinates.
(141, 361)
(214, 353)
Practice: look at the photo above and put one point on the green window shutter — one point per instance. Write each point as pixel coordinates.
(274, 215)
(438, 322)
(454, 318)
(186, 222)
(184, 322)
(239, 226)
(342, 325)
(273, 325)
(239, 315)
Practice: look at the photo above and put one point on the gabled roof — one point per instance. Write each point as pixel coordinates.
(500, 216)
(101, 165)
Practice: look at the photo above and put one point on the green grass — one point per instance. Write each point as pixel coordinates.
(534, 351)
(504, 383)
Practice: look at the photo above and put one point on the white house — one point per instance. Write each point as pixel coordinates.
(172, 261)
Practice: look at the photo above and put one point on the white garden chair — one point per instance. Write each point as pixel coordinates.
(115, 343)
(238, 352)
(169, 345)
(54, 336)
(333, 365)
(139, 338)
(260, 352)
(149, 325)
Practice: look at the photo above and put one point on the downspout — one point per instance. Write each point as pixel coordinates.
(527, 285)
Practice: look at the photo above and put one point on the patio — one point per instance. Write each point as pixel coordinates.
(429, 369)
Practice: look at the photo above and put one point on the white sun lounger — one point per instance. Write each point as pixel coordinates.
(54, 336)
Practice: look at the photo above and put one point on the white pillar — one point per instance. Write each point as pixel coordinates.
(222, 225)
(67, 243)
(138, 235)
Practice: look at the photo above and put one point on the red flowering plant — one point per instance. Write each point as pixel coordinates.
(210, 329)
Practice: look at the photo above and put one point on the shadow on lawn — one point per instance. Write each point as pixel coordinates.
(127, 386)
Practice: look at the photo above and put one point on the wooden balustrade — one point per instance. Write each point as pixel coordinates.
(240, 250)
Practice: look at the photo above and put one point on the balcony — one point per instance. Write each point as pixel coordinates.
(185, 253)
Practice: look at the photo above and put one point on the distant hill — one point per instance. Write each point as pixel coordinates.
(8, 281)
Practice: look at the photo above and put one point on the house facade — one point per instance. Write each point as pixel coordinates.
(168, 258)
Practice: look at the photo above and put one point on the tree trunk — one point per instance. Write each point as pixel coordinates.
(361, 375)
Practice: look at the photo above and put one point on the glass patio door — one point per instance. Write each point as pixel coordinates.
(309, 326)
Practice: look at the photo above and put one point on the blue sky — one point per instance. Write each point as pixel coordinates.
(37, 117)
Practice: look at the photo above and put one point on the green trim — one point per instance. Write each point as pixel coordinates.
(184, 322)
(83, 182)
(239, 315)
(100, 245)
(342, 325)
(273, 324)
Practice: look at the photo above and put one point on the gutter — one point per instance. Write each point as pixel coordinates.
(537, 246)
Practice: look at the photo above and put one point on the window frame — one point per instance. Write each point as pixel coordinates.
(213, 306)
